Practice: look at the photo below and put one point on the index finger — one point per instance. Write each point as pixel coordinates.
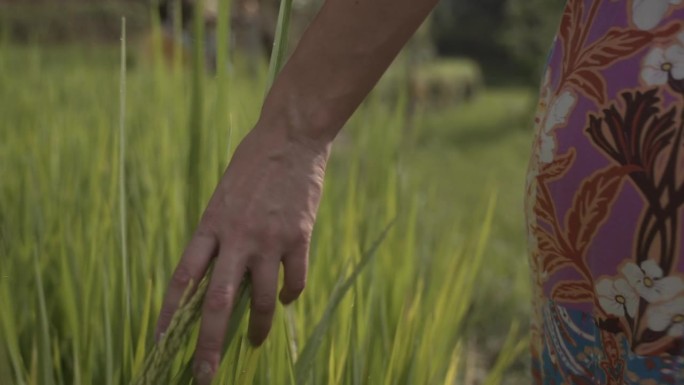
(191, 268)
(217, 308)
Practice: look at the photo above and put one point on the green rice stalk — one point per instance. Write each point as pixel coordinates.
(222, 78)
(196, 120)
(109, 344)
(513, 347)
(177, 37)
(222, 40)
(142, 337)
(288, 329)
(157, 366)
(248, 368)
(280, 43)
(8, 328)
(308, 355)
(125, 273)
(160, 70)
(45, 354)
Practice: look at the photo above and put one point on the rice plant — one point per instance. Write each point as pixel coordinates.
(97, 202)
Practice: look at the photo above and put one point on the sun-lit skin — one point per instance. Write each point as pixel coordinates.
(264, 208)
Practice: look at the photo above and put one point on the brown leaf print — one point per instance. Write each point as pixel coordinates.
(544, 207)
(619, 44)
(581, 66)
(572, 291)
(571, 25)
(558, 167)
(590, 83)
(546, 243)
(551, 253)
(592, 204)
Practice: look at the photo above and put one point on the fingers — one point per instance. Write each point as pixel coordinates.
(216, 311)
(295, 265)
(192, 266)
(221, 298)
(264, 290)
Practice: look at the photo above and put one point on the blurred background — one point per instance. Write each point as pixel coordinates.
(491, 32)
(97, 202)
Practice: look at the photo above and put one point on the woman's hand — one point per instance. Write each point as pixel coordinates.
(261, 215)
(264, 208)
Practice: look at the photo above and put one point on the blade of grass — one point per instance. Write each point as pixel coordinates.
(142, 337)
(248, 368)
(45, 354)
(9, 333)
(222, 78)
(125, 274)
(222, 40)
(196, 119)
(291, 345)
(511, 349)
(454, 366)
(109, 348)
(306, 358)
(280, 42)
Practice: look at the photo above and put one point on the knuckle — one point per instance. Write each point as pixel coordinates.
(301, 237)
(182, 277)
(301, 234)
(305, 224)
(208, 345)
(205, 231)
(219, 298)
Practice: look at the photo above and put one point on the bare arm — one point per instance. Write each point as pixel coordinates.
(345, 50)
(264, 208)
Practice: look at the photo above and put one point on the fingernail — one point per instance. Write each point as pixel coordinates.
(203, 372)
(160, 337)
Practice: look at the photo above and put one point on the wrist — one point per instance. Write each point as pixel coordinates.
(306, 114)
(284, 127)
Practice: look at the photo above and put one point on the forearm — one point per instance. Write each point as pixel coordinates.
(339, 59)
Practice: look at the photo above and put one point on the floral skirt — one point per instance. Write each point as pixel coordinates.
(605, 198)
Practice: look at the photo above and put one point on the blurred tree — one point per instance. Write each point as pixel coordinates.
(509, 38)
(529, 31)
(469, 28)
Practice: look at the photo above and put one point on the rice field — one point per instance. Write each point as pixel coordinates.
(418, 268)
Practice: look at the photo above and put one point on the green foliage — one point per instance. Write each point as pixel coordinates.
(509, 37)
(529, 31)
(469, 28)
(50, 21)
(400, 317)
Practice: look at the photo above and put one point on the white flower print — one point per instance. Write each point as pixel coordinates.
(647, 14)
(547, 148)
(556, 115)
(649, 282)
(680, 38)
(560, 108)
(661, 63)
(616, 296)
(667, 316)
